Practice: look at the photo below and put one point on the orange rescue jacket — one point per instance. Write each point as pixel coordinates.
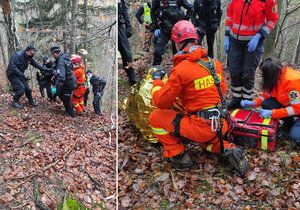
(80, 75)
(286, 92)
(189, 81)
(245, 19)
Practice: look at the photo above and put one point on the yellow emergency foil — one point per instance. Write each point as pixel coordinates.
(138, 105)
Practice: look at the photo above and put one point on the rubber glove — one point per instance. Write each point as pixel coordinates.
(157, 33)
(265, 113)
(253, 42)
(247, 103)
(53, 90)
(226, 44)
(158, 74)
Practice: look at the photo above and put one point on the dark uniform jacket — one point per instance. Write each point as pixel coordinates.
(165, 13)
(98, 84)
(123, 16)
(50, 71)
(19, 63)
(64, 71)
(209, 14)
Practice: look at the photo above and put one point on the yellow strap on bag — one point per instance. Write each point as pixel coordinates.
(264, 139)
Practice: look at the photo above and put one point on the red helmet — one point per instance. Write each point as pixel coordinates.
(75, 59)
(183, 30)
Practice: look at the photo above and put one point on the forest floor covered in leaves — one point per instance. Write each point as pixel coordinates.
(47, 158)
(147, 180)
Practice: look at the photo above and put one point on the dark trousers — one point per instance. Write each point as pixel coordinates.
(210, 39)
(64, 93)
(124, 46)
(162, 41)
(42, 88)
(294, 133)
(20, 87)
(242, 65)
(97, 102)
(48, 85)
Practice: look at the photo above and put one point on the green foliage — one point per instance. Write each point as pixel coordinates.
(204, 187)
(71, 204)
(164, 204)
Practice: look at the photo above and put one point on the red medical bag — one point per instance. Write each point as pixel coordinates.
(248, 128)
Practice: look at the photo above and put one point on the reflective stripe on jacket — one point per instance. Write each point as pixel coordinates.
(245, 19)
(147, 14)
(189, 81)
(80, 75)
(286, 92)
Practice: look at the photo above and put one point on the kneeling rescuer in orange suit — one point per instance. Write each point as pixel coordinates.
(193, 83)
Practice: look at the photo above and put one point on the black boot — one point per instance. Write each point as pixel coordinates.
(234, 103)
(181, 161)
(16, 105)
(130, 75)
(33, 103)
(236, 158)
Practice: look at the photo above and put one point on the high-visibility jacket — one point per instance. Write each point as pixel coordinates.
(245, 19)
(80, 75)
(147, 14)
(286, 92)
(189, 81)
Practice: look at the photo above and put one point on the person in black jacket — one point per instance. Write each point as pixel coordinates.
(143, 15)
(98, 85)
(124, 32)
(48, 76)
(209, 14)
(65, 81)
(164, 14)
(15, 73)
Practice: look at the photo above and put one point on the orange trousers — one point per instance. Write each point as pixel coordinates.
(193, 128)
(78, 98)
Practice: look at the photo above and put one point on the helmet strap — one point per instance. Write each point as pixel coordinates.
(183, 46)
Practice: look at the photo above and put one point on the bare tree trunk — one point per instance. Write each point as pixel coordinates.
(269, 44)
(73, 26)
(85, 26)
(3, 51)
(13, 41)
(297, 52)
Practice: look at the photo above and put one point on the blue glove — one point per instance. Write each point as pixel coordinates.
(53, 90)
(157, 33)
(265, 113)
(247, 103)
(226, 44)
(253, 42)
(158, 74)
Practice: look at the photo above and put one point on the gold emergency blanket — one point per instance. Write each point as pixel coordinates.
(138, 106)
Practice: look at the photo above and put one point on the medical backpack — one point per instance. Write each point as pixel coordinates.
(248, 128)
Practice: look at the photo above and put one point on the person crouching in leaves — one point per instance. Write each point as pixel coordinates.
(200, 100)
(98, 85)
(280, 98)
(41, 82)
(77, 97)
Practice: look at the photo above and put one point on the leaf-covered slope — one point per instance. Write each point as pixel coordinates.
(68, 156)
